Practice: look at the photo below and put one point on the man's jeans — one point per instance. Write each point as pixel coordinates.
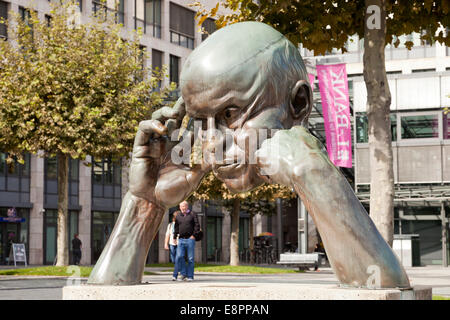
(183, 246)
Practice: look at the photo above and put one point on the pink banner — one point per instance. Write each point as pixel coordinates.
(333, 87)
(311, 78)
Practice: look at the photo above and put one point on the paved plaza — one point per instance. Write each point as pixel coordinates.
(50, 288)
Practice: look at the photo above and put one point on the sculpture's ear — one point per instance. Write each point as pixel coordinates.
(301, 100)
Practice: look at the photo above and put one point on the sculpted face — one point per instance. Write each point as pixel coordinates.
(243, 81)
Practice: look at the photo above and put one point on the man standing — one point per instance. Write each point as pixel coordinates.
(186, 225)
(76, 249)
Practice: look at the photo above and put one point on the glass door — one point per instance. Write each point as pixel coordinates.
(102, 226)
(50, 226)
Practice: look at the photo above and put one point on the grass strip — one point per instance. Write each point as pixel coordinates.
(440, 298)
(200, 267)
(65, 271)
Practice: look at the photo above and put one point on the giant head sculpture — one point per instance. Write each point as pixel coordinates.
(244, 78)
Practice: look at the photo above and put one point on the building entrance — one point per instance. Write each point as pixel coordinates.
(9, 233)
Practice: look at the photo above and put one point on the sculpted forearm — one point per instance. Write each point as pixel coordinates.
(354, 246)
(123, 259)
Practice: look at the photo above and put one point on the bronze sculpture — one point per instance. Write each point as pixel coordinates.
(244, 78)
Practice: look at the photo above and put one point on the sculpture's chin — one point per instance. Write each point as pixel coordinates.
(247, 181)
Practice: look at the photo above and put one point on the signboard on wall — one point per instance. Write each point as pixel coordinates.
(12, 216)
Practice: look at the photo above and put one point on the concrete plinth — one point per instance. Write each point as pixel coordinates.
(233, 291)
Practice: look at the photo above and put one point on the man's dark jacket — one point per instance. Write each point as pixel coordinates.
(186, 225)
(76, 244)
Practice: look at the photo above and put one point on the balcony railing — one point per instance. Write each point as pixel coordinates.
(181, 39)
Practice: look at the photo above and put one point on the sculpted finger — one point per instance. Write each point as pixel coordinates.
(148, 129)
(180, 108)
(176, 112)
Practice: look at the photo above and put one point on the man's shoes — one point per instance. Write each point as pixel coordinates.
(182, 278)
(190, 279)
(174, 279)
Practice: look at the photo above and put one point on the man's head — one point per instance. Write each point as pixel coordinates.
(174, 216)
(246, 77)
(184, 206)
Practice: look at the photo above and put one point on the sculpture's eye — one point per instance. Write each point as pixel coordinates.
(229, 115)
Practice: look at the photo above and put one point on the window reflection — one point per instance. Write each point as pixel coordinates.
(446, 125)
(362, 128)
(420, 126)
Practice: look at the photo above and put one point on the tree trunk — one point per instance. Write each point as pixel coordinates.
(251, 243)
(62, 257)
(378, 110)
(234, 243)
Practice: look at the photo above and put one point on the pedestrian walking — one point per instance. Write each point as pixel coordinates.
(171, 242)
(76, 249)
(186, 225)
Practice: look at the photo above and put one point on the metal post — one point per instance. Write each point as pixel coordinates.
(279, 227)
(444, 236)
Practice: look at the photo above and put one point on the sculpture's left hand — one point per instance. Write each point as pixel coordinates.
(286, 156)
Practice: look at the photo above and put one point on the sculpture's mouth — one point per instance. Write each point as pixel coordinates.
(234, 168)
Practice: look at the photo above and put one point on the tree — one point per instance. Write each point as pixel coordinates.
(72, 90)
(254, 201)
(324, 25)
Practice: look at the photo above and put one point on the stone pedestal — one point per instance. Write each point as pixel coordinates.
(235, 291)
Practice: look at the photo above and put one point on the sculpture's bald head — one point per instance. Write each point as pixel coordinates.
(243, 77)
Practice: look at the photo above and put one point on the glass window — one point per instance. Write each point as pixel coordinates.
(153, 16)
(182, 23)
(98, 170)
(50, 232)
(420, 126)
(74, 169)
(182, 20)
(2, 163)
(51, 168)
(446, 125)
(362, 128)
(214, 238)
(4, 15)
(209, 26)
(243, 234)
(102, 226)
(105, 171)
(174, 68)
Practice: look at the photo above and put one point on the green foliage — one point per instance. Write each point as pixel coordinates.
(73, 88)
(259, 200)
(324, 25)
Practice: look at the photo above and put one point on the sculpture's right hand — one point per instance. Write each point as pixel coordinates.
(153, 175)
(151, 147)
